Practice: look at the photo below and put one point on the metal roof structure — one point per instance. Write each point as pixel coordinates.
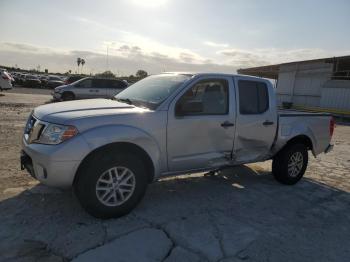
(272, 71)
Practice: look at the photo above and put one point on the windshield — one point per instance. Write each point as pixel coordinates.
(153, 90)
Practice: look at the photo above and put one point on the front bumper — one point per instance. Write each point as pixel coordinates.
(56, 96)
(53, 165)
(26, 163)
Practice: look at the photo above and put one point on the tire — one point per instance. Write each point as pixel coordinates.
(296, 153)
(68, 96)
(100, 168)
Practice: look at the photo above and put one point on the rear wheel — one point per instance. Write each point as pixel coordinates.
(68, 96)
(289, 165)
(111, 184)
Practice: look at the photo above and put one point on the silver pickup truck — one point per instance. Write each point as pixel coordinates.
(108, 150)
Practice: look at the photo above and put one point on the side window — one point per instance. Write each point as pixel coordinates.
(87, 83)
(99, 83)
(207, 97)
(116, 84)
(253, 97)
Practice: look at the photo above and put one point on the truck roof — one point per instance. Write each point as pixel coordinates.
(212, 74)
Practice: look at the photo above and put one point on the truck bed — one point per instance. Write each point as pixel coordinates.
(316, 126)
(293, 112)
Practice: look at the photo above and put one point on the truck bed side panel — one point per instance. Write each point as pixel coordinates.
(314, 126)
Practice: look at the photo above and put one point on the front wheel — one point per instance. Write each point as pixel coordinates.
(111, 184)
(289, 165)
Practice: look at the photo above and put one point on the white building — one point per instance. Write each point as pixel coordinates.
(320, 84)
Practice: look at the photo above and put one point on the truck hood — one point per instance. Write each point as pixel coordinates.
(64, 112)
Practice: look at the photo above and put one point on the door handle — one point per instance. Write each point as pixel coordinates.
(227, 124)
(268, 123)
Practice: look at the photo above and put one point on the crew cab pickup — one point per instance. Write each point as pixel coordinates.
(109, 150)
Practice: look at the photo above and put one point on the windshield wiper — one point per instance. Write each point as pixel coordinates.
(124, 100)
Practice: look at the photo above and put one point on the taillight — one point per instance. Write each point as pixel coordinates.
(5, 76)
(331, 126)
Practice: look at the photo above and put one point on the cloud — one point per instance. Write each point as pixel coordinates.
(213, 44)
(259, 57)
(124, 60)
(149, 3)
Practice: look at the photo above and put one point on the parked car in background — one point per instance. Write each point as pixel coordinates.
(54, 81)
(167, 124)
(72, 79)
(17, 77)
(89, 88)
(43, 79)
(32, 81)
(5, 80)
(11, 78)
(21, 78)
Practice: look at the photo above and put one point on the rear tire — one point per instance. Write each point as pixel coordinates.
(290, 164)
(68, 96)
(102, 172)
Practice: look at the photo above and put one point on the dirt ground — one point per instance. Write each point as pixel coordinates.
(241, 214)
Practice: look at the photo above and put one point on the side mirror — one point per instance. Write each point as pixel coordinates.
(188, 108)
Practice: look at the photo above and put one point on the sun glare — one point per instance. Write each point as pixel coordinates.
(149, 3)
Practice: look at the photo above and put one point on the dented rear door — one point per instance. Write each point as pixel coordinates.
(256, 119)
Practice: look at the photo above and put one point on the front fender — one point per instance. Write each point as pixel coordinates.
(104, 135)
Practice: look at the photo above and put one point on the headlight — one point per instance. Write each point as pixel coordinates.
(54, 134)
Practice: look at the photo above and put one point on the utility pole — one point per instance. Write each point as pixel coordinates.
(107, 59)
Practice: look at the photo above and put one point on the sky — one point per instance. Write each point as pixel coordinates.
(170, 35)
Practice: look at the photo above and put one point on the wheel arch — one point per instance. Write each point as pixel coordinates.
(68, 92)
(121, 147)
(298, 139)
(302, 139)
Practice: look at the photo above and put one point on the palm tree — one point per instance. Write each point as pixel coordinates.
(82, 64)
(78, 62)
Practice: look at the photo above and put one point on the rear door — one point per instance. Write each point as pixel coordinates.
(98, 88)
(256, 119)
(114, 87)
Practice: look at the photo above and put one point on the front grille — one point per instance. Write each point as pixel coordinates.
(33, 129)
(30, 124)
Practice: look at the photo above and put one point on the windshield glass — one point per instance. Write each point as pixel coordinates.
(153, 90)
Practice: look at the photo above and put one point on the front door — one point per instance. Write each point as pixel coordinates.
(256, 120)
(82, 88)
(201, 125)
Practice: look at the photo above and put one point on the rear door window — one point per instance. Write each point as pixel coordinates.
(253, 97)
(99, 83)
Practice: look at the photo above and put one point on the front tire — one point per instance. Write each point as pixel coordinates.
(111, 184)
(290, 164)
